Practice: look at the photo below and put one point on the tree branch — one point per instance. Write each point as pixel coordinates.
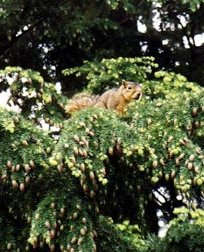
(16, 38)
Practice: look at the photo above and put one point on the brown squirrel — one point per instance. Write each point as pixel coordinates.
(116, 98)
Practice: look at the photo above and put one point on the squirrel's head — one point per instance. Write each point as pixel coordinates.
(131, 90)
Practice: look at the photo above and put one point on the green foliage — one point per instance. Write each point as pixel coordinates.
(64, 35)
(94, 185)
(113, 238)
(32, 95)
(23, 147)
(24, 152)
(132, 234)
(109, 72)
(180, 131)
(96, 180)
(62, 220)
(185, 233)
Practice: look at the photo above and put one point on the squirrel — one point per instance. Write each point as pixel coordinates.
(115, 99)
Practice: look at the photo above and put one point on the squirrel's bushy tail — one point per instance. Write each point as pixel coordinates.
(80, 102)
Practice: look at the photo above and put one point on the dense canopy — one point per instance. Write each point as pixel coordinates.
(96, 180)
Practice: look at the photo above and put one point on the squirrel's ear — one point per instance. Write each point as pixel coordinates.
(124, 83)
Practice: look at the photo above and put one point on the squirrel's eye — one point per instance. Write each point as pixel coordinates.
(129, 87)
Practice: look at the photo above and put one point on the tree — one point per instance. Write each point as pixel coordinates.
(97, 180)
(63, 35)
